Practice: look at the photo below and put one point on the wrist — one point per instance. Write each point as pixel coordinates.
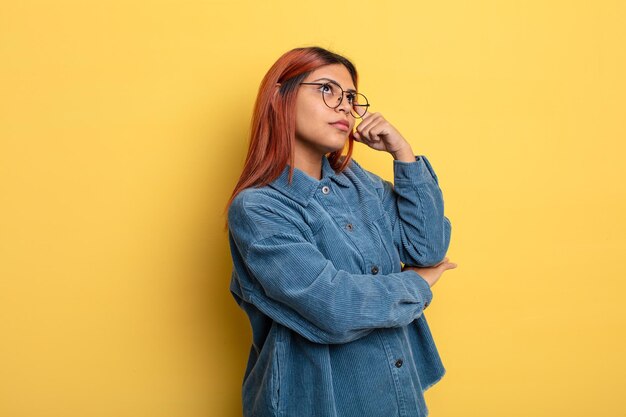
(404, 154)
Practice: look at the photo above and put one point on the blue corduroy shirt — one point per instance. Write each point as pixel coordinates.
(338, 329)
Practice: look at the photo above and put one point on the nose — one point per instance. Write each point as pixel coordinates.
(345, 104)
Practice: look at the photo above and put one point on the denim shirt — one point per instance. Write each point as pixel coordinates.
(338, 328)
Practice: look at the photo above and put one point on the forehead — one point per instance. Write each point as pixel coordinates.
(335, 72)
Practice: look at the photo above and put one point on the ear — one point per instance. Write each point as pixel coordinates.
(276, 89)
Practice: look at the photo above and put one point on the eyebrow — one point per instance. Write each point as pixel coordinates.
(330, 79)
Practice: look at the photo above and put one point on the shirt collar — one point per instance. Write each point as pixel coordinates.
(303, 186)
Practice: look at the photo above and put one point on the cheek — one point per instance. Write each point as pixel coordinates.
(310, 121)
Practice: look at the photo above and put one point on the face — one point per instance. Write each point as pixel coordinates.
(315, 131)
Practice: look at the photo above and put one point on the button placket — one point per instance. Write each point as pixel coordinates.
(335, 204)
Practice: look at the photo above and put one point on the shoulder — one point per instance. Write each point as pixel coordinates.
(262, 211)
(253, 200)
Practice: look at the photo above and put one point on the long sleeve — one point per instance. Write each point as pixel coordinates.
(287, 278)
(415, 206)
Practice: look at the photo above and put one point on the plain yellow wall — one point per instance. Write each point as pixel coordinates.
(123, 129)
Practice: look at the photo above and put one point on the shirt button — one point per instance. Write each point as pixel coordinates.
(325, 189)
(374, 270)
(349, 226)
(399, 363)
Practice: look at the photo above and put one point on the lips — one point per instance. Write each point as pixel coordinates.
(341, 124)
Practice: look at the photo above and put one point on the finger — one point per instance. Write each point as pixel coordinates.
(444, 264)
(372, 130)
(369, 122)
(358, 136)
(449, 265)
(376, 131)
(367, 116)
(361, 139)
(366, 123)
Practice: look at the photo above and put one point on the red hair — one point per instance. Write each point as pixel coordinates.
(273, 127)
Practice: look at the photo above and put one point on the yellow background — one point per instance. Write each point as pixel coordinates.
(123, 129)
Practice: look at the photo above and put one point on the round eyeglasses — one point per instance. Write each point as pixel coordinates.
(332, 94)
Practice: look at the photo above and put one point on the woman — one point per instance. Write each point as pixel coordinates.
(318, 244)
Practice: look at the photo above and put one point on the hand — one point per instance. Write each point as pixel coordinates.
(377, 133)
(433, 273)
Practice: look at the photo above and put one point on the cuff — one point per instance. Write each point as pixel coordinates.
(423, 288)
(416, 172)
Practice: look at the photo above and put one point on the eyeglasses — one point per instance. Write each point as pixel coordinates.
(332, 94)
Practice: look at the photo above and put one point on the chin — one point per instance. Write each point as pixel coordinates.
(337, 147)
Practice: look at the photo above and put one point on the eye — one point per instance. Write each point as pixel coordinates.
(326, 88)
(351, 97)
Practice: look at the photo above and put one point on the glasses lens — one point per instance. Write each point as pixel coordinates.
(331, 94)
(359, 105)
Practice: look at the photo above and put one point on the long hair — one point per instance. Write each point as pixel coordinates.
(273, 126)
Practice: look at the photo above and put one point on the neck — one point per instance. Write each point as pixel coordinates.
(308, 161)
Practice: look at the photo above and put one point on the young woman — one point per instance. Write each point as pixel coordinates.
(318, 244)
